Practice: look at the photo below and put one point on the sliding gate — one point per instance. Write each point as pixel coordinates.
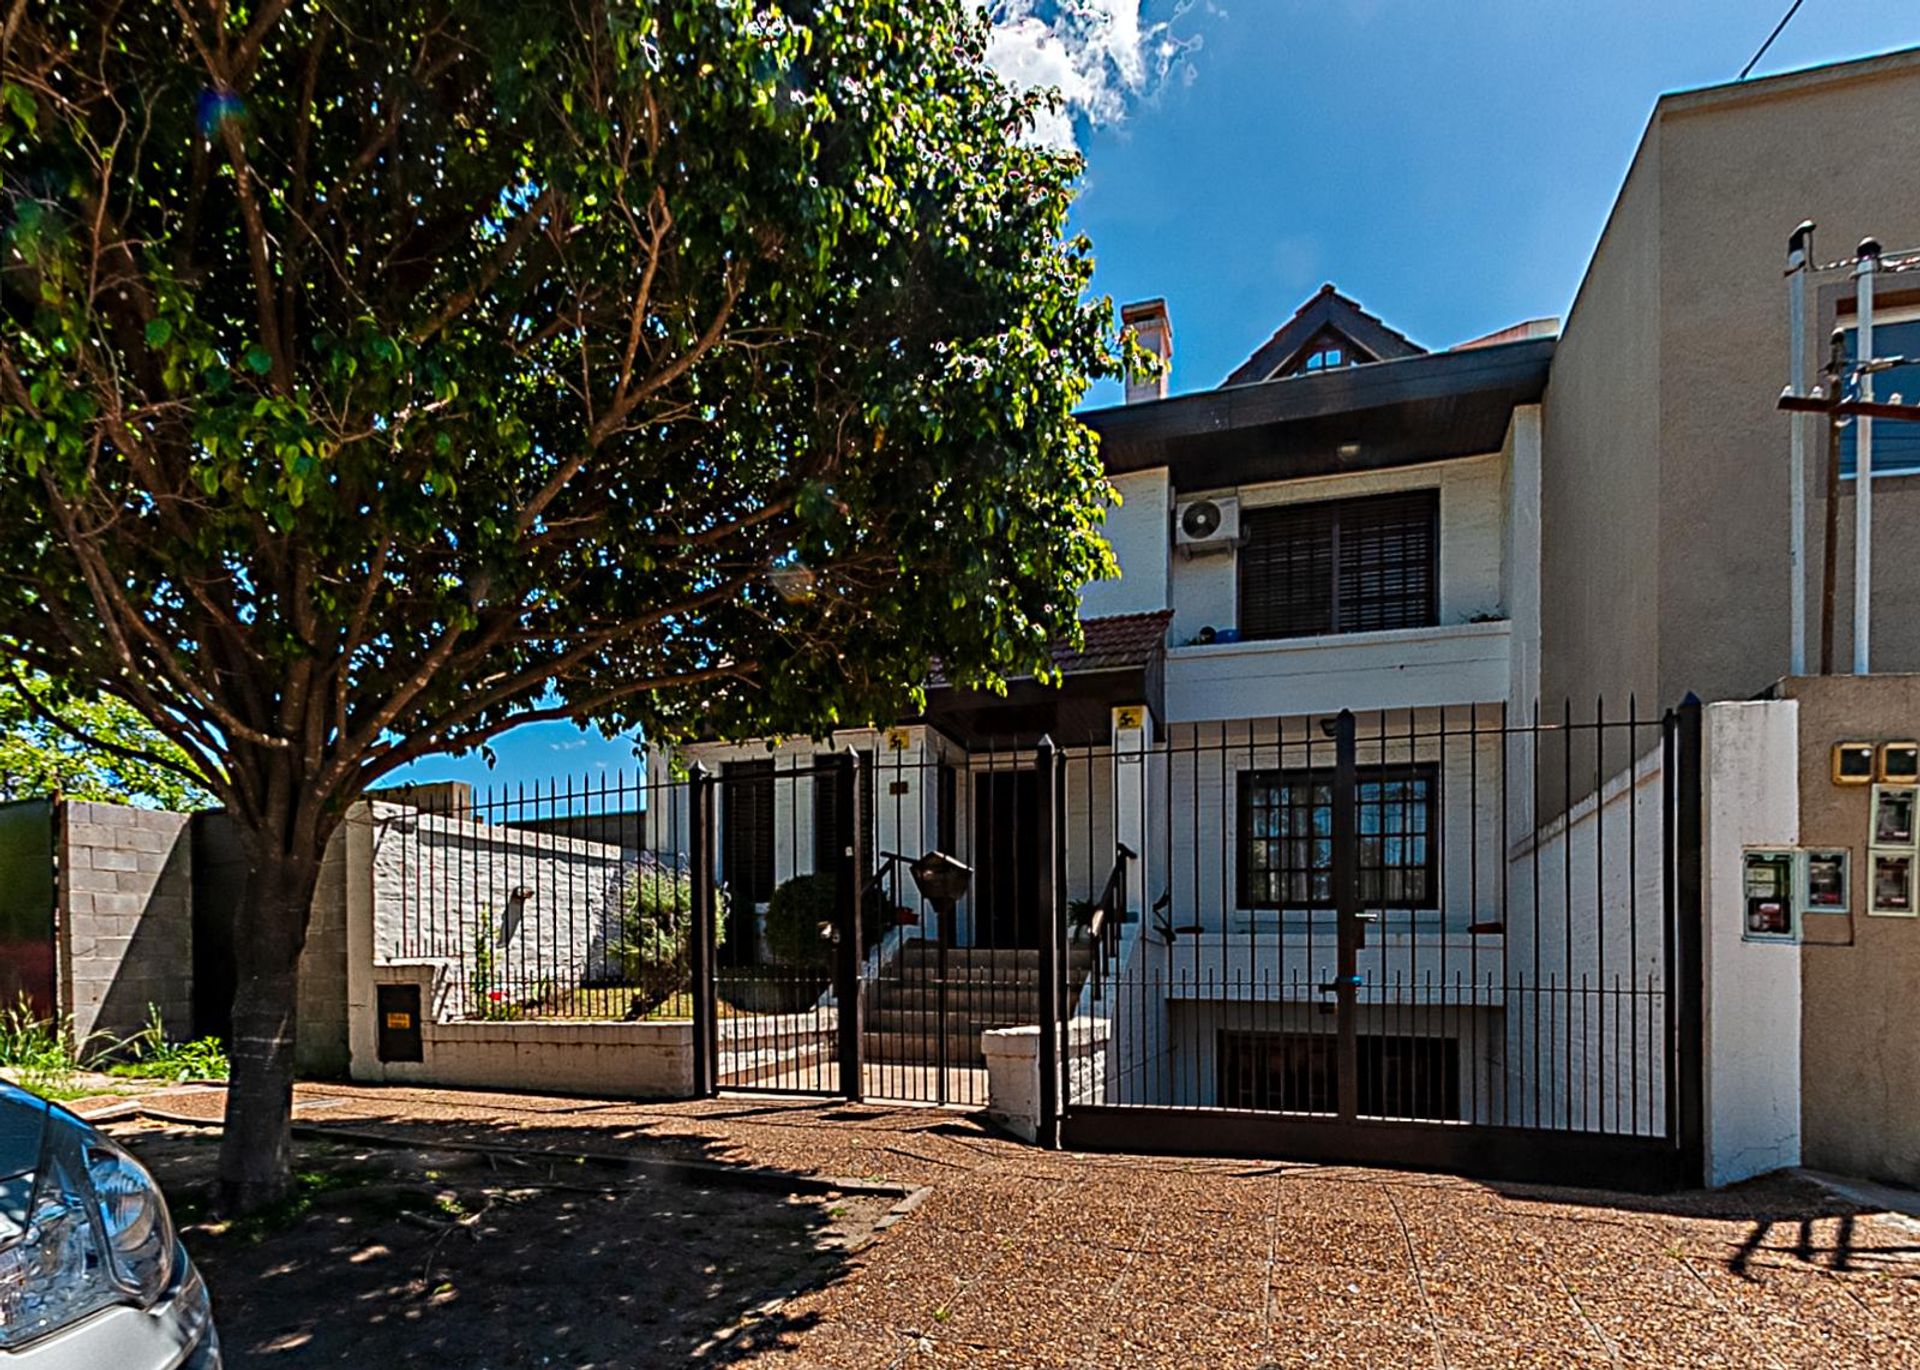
(1440, 938)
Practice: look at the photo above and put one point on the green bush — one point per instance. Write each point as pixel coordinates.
(39, 1051)
(152, 1057)
(794, 916)
(656, 926)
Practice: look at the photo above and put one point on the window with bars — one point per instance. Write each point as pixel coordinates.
(1298, 1072)
(1286, 838)
(1341, 566)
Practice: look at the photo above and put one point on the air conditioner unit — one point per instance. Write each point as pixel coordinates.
(1204, 526)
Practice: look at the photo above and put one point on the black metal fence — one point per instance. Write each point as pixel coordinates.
(569, 899)
(1435, 936)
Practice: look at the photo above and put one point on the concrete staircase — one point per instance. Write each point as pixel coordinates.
(983, 988)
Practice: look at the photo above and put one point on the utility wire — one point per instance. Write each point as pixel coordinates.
(1785, 19)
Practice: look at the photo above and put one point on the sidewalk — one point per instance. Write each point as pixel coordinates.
(1025, 1258)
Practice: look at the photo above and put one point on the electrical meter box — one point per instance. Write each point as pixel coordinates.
(1826, 880)
(1900, 763)
(1768, 886)
(1890, 884)
(1853, 763)
(1893, 815)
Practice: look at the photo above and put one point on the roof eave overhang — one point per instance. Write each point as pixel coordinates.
(1385, 414)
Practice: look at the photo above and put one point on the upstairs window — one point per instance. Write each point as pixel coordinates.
(1325, 359)
(1896, 445)
(1341, 566)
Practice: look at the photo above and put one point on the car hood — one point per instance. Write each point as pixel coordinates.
(23, 1125)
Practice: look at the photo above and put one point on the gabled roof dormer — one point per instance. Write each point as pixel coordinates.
(1329, 331)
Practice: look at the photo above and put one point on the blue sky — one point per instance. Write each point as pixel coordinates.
(1450, 165)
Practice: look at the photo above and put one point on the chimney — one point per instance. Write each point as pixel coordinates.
(1148, 319)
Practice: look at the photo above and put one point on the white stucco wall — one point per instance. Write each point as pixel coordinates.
(1473, 534)
(1139, 530)
(1752, 798)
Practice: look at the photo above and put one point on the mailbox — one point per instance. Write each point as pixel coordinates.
(1853, 763)
(1900, 763)
(1768, 887)
(399, 1010)
(1891, 884)
(1826, 880)
(1893, 815)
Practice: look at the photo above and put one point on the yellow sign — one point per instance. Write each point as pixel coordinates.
(399, 1022)
(898, 739)
(1128, 717)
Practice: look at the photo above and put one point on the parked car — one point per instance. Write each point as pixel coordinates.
(92, 1274)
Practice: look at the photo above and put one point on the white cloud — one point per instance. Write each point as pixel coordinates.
(1101, 55)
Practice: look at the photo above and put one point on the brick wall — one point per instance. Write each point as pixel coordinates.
(125, 918)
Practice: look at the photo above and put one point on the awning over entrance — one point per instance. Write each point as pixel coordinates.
(1120, 662)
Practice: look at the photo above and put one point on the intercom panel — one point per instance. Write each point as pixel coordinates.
(1826, 880)
(1890, 884)
(1768, 886)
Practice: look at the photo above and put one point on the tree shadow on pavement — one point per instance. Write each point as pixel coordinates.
(431, 1255)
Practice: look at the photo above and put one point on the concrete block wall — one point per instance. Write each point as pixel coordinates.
(125, 918)
(320, 1033)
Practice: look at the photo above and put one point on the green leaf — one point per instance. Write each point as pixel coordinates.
(258, 360)
(158, 332)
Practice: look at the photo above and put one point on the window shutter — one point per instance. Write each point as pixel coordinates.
(826, 830)
(1286, 571)
(1389, 563)
(747, 840)
(1341, 566)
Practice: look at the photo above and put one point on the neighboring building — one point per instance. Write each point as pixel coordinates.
(1665, 498)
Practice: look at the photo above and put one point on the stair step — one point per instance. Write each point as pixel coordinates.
(912, 1049)
(964, 997)
(913, 1022)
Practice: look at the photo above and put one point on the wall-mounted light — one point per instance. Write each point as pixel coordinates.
(1853, 763)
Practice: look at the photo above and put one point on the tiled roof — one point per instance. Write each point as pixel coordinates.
(1116, 641)
(1112, 643)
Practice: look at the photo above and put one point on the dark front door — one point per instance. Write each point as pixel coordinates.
(1006, 852)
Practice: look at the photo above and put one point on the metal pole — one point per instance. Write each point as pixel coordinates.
(1799, 252)
(1346, 900)
(701, 961)
(1688, 967)
(1051, 919)
(850, 864)
(1863, 274)
(1836, 376)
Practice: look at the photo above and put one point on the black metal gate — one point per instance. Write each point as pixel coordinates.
(1436, 938)
(828, 959)
(1441, 938)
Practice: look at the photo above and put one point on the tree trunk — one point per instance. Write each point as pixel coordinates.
(256, 1148)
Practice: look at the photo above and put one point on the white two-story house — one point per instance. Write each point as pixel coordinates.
(1350, 522)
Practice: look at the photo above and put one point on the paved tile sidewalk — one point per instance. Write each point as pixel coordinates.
(1024, 1258)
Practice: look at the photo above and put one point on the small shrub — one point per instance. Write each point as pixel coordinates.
(484, 975)
(39, 1051)
(656, 927)
(794, 916)
(150, 1056)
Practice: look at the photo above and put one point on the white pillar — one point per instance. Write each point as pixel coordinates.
(1752, 991)
(1130, 800)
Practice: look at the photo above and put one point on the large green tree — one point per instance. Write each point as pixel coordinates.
(52, 742)
(378, 374)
